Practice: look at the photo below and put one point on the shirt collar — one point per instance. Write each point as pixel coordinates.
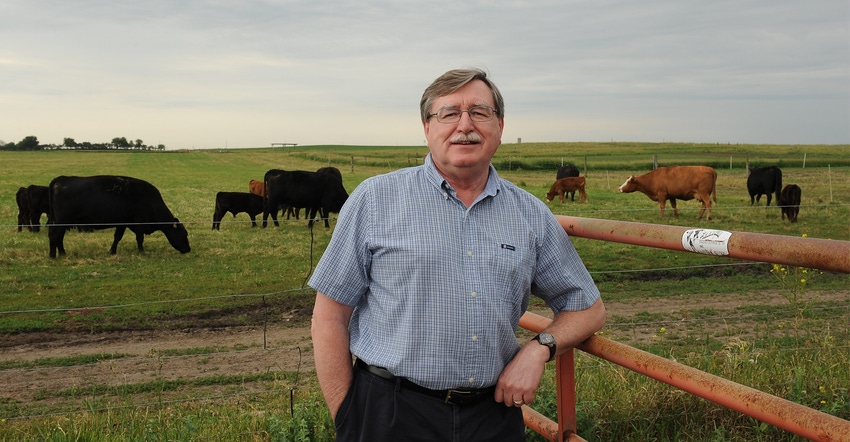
(492, 187)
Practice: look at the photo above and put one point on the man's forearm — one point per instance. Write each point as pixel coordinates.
(331, 350)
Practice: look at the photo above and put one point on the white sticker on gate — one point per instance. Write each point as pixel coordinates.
(707, 241)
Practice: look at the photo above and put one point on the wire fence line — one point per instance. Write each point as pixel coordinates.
(241, 220)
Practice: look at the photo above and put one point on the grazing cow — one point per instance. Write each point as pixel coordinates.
(764, 181)
(789, 202)
(38, 204)
(236, 202)
(105, 202)
(316, 192)
(565, 171)
(32, 202)
(676, 182)
(569, 184)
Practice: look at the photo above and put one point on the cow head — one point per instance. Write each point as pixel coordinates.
(177, 236)
(629, 185)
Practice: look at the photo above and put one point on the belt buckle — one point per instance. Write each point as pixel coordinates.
(462, 394)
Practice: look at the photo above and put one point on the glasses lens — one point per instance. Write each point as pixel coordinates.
(480, 113)
(476, 113)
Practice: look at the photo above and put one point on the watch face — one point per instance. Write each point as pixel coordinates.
(546, 339)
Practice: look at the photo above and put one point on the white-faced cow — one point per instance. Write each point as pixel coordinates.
(764, 181)
(566, 185)
(105, 202)
(315, 191)
(236, 202)
(676, 182)
(789, 202)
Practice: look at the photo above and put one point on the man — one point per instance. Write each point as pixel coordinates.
(425, 279)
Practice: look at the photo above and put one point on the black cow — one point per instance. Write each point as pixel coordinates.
(236, 202)
(789, 202)
(23, 209)
(105, 202)
(566, 171)
(38, 204)
(316, 192)
(764, 181)
(32, 202)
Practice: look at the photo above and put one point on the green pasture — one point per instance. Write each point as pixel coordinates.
(245, 276)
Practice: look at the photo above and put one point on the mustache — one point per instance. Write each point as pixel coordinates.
(471, 137)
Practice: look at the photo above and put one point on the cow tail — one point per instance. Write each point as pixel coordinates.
(714, 188)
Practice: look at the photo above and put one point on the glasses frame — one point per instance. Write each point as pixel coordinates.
(460, 114)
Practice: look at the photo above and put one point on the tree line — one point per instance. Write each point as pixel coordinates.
(31, 142)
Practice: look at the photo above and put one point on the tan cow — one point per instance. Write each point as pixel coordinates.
(257, 187)
(564, 185)
(676, 182)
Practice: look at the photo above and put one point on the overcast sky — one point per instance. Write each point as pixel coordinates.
(208, 74)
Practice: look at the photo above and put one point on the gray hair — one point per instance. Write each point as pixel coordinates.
(453, 80)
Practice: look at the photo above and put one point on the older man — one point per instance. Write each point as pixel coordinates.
(425, 279)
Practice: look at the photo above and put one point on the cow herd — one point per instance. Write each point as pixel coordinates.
(121, 202)
(673, 183)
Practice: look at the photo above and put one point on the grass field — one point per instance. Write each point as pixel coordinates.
(232, 271)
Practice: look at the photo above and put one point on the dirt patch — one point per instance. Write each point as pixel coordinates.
(284, 346)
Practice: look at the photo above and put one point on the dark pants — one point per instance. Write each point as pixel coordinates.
(377, 409)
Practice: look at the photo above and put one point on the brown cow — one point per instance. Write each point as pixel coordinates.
(257, 187)
(676, 182)
(565, 185)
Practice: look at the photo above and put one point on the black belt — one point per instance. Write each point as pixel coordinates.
(451, 396)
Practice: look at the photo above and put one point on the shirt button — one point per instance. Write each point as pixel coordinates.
(475, 339)
(471, 380)
(474, 294)
(469, 253)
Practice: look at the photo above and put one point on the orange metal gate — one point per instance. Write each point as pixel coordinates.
(804, 252)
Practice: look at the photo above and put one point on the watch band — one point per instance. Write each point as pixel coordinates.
(549, 341)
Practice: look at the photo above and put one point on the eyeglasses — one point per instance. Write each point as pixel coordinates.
(478, 114)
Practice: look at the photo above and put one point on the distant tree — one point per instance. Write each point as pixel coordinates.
(160, 146)
(121, 142)
(69, 142)
(139, 144)
(29, 143)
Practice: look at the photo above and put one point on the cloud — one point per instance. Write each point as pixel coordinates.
(192, 73)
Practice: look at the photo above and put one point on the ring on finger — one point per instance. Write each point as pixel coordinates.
(517, 403)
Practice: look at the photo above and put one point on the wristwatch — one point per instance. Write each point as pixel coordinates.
(547, 340)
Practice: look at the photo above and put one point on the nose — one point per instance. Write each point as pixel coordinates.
(465, 124)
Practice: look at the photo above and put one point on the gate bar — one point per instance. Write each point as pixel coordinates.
(821, 254)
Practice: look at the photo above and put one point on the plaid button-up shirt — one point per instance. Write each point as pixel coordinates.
(438, 288)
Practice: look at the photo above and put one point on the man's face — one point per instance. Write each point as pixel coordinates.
(464, 146)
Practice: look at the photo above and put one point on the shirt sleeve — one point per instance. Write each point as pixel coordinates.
(562, 280)
(342, 273)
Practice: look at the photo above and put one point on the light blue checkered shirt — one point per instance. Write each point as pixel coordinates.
(438, 289)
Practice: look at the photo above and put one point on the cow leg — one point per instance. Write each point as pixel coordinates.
(675, 209)
(253, 220)
(35, 222)
(119, 233)
(768, 199)
(56, 237)
(217, 216)
(140, 240)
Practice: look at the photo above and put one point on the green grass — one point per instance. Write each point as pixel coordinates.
(244, 276)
